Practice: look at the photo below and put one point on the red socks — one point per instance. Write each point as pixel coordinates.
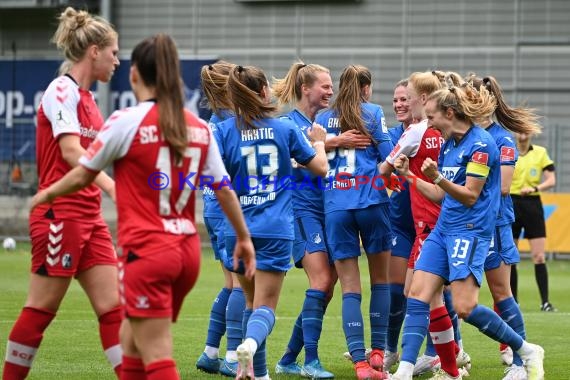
(162, 370)
(23, 342)
(109, 324)
(132, 369)
(441, 332)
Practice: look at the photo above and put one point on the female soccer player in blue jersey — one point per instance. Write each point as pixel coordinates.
(503, 253)
(403, 230)
(227, 309)
(467, 180)
(257, 151)
(309, 88)
(354, 211)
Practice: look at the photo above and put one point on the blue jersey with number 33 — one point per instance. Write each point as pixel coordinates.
(475, 155)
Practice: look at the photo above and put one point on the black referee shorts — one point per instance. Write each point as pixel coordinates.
(529, 215)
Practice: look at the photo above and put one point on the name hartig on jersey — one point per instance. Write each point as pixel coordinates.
(256, 134)
(90, 133)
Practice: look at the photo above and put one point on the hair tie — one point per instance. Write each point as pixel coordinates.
(487, 82)
(240, 69)
(210, 67)
(302, 66)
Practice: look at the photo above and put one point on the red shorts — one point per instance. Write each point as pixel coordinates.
(421, 236)
(154, 284)
(65, 248)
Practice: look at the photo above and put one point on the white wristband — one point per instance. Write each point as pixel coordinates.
(438, 179)
(318, 143)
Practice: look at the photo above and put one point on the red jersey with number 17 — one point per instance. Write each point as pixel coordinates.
(155, 195)
(417, 143)
(66, 109)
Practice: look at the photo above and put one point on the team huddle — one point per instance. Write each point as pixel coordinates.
(445, 222)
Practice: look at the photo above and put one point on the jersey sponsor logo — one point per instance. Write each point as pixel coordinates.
(90, 132)
(450, 172)
(480, 158)
(507, 154)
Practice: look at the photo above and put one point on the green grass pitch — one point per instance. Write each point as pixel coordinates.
(71, 348)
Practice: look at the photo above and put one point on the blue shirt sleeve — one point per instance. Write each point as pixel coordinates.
(300, 148)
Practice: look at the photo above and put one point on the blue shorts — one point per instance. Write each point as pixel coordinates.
(215, 228)
(271, 255)
(502, 249)
(454, 256)
(309, 237)
(402, 241)
(345, 228)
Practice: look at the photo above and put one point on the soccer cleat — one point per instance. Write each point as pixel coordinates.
(507, 356)
(314, 370)
(245, 363)
(208, 365)
(348, 356)
(534, 363)
(442, 375)
(515, 372)
(228, 369)
(463, 360)
(426, 363)
(365, 372)
(547, 306)
(288, 369)
(376, 359)
(390, 358)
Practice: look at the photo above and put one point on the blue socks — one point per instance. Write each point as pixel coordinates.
(397, 313)
(295, 342)
(259, 326)
(490, 324)
(217, 326)
(353, 325)
(416, 325)
(511, 314)
(312, 321)
(234, 319)
(379, 314)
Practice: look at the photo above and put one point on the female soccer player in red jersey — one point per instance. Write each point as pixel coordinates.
(160, 152)
(69, 237)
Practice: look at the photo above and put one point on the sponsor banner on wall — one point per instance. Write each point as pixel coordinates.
(22, 83)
